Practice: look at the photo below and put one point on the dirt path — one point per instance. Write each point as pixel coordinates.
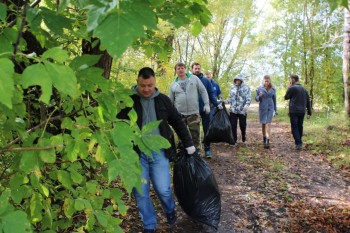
(273, 190)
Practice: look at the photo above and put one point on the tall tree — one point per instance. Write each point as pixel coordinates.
(346, 60)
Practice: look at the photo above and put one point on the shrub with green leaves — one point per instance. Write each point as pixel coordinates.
(66, 161)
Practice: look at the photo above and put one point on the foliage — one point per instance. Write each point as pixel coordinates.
(61, 145)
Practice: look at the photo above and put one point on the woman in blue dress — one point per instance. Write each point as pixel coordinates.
(266, 96)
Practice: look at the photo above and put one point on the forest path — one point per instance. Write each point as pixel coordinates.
(279, 189)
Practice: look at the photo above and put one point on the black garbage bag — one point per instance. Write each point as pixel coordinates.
(219, 129)
(196, 189)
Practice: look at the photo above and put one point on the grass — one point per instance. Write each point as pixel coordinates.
(327, 134)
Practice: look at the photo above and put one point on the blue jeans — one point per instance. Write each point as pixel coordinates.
(296, 123)
(157, 170)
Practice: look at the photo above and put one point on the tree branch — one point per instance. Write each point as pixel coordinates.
(29, 148)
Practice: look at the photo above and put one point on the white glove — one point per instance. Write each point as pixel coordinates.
(274, 113)
(245, 109)
(220, 107)
(191, 150)
(206, 109)
(308, 116)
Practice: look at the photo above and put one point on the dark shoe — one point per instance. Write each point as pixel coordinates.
(299, 147)
(264, 140)
(171, 217)
(148, 231)
(267, 143)
(208, 154)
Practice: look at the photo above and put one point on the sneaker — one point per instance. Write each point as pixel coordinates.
(171, 217)
(299, 147)
(148, 230)
(208, 154)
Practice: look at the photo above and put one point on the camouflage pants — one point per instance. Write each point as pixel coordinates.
(193, 124)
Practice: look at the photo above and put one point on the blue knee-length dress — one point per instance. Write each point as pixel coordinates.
(267, 104)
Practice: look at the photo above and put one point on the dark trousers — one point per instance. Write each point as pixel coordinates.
(296, 123)
(205, 123)
(234, 118)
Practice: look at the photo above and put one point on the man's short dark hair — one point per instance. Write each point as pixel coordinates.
(146, 73)
(294, 77)
(195, 64)
(179, 64)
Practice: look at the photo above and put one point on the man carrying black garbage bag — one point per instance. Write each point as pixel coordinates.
(151, 105)
(196, 189)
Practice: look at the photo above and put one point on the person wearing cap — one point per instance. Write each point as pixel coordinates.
(239, 99)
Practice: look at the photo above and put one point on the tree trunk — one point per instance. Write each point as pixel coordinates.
(105, 61)
(346, 58)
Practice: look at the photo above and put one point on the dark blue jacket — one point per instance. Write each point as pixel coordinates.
(299, 99)
(211, 93)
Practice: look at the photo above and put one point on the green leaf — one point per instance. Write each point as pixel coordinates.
(6, 82)
(4, 201)
(84, 62)
(196, 28)
(64, 178)
(101, 218)
(55, 22)
(63, 78)
(57, 54)
(122, 135)
(34, 19)
(3, 10)
(90, 79)
(76, 177)
(17, 180)
(72, 151)
(30, 77)
(20, 193)
(79, 204)
(29, 162)
(150, 127)
(97, 12)
(68, 207)
(48, 156)
(36, 207)
(114, 169)
(44, 190)
(91, 187)
(118, 30)
(156, 142)
(16, 222)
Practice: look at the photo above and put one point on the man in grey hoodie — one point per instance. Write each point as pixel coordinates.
(184, 94)
(151, 105)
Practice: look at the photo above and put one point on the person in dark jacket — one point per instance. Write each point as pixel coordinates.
(299, 101)
(196, 70)
(151, 105)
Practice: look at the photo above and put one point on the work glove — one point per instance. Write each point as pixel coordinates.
(190, 150)
(274, 113)
(245, 109)
(220, 107)
(206, 109)
(308, 116)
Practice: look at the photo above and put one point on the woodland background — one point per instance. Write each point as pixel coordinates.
(66, 161)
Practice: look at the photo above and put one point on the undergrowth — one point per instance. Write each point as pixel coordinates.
(326, 134)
